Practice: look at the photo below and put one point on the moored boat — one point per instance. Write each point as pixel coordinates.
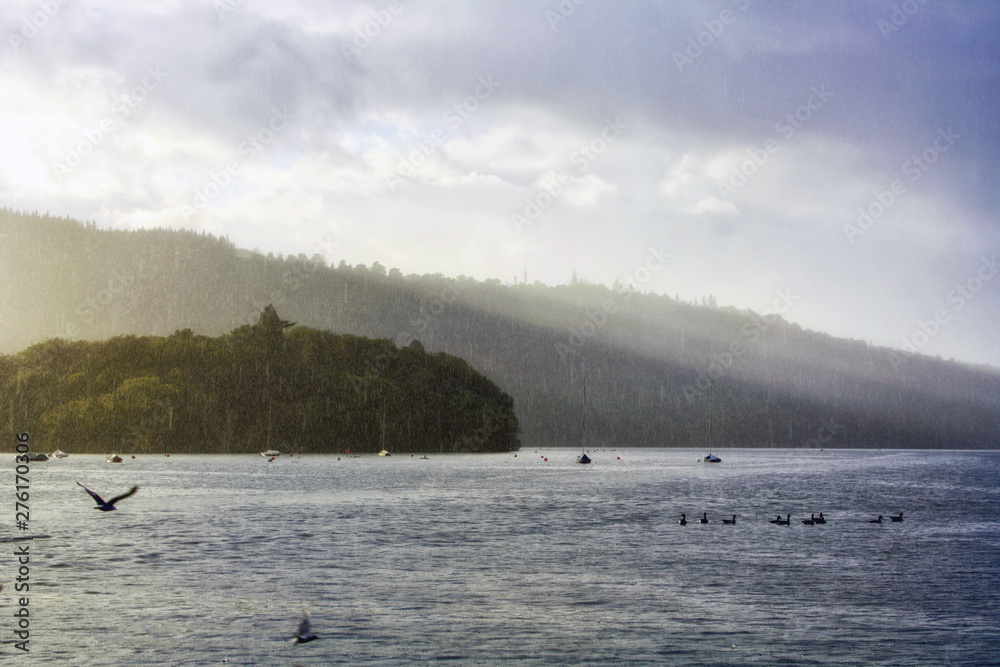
(58, 454)
(114, 458)
(710, 458)
(583, 458)
(270, 452)
(37, 456)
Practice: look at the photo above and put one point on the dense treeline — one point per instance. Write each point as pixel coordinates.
(647, 358)
(262, 386)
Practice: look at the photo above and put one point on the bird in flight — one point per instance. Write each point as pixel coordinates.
(304, 634)
(108, 505)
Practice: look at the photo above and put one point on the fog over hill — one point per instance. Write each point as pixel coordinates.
(650, 361)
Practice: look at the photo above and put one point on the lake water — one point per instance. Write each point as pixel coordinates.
(497, 559)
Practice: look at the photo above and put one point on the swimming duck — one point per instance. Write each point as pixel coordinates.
(704, 518)
(810, 521)
(787, 521)
(683, 520)
(896, 518)
(820, 518)
(878, 520)
(730, 521)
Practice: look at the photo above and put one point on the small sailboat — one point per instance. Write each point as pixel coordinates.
(710, 458)
(583, 458)
(384, 452)
(114, 458)
(58, 454)
(269, 453)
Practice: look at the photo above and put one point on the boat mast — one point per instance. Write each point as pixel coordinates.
(114, 417)
(267, 448)
(710, 383)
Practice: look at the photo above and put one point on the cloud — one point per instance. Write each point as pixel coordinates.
(378, 156)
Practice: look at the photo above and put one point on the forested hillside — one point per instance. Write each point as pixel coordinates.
(262, 386)
(648, 358)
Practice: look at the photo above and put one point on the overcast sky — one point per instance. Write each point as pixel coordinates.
(845, 153)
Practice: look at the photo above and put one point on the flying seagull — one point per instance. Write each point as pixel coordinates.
(107, 506)
(304, 634)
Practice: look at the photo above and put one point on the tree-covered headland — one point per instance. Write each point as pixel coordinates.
(269, 384)
(648, 358)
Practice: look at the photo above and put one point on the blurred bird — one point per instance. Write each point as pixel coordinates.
(107, 506)
(304, 634)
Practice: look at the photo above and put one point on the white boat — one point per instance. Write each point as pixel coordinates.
(384, 452)
(58, 454)
(271, 452)
(710, 458)
(114, 458)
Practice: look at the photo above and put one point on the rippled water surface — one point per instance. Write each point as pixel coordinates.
(488, 559)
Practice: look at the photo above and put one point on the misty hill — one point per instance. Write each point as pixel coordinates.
(648, 358)
(260, 387)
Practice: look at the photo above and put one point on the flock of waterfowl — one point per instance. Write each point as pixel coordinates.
(813, 520)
